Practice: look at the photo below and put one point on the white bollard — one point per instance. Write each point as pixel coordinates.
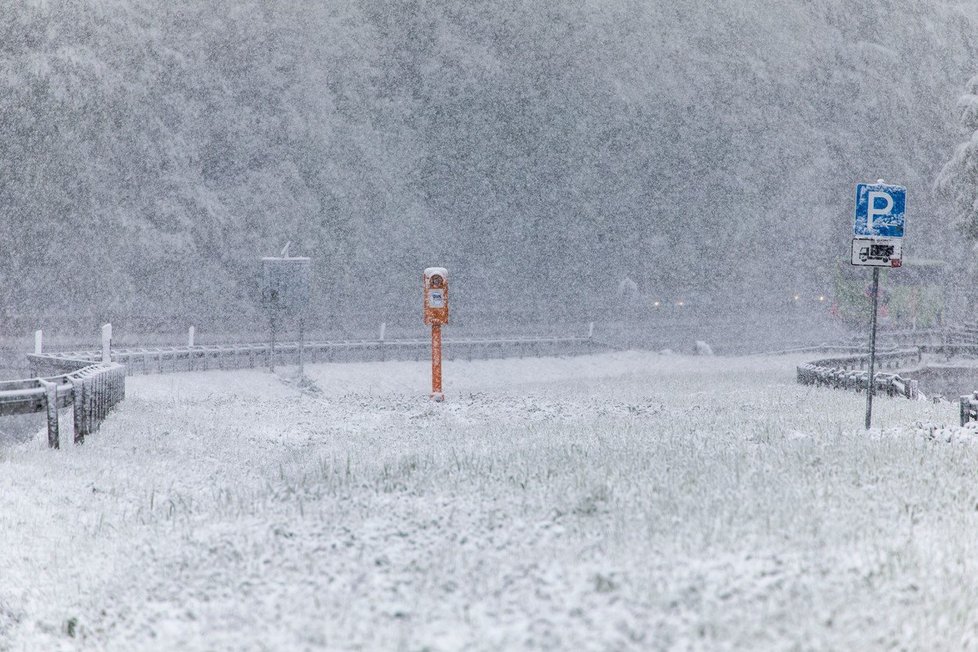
(383, 330)
(38, 342)
(590, 331)
(107, 343)
(190, 336)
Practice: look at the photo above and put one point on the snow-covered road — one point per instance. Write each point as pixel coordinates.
(619, 501)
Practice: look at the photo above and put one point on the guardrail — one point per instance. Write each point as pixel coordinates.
(165, 359)
(82, 381)
(969, 408)
(848, 372)
(89, 388)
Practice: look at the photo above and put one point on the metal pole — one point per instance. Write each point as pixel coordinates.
(436, 392)
(271, 342)
(870, 385)
(302, 343)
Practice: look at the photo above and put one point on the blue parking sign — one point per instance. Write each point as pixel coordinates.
(880, 210)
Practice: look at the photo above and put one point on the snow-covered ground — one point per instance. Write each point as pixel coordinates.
(620, 501)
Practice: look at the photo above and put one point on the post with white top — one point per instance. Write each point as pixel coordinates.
(38, 342)
(380, 339)
(435, 314)
(51, 407)
(877, 242)
(107, 343)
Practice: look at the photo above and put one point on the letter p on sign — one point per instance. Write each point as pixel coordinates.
(880, 211)
(875, 209)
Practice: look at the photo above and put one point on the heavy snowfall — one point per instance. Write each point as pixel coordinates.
(235, 233)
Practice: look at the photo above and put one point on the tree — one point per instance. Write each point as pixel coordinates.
(958, 179)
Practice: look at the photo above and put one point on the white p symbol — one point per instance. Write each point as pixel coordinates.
(873, 210)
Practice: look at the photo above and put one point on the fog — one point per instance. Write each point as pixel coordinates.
(544, 153)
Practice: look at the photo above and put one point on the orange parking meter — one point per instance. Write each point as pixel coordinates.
(436, 314)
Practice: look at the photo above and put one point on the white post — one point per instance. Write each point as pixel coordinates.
(190, 336)
(38, 342)
(383, 330)
(590, 331)
(107, 343)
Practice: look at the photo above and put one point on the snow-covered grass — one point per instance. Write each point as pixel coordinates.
(621, 501)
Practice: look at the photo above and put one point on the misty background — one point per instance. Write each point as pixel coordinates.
(542, 151)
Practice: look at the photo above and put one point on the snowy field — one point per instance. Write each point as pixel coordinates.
(620, 501)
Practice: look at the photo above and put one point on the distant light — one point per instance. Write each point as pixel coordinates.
(683, 303)
(657, 304)
(798, 296)
(822, 298)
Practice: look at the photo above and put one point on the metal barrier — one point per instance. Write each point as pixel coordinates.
(164, 359)
(81, 381)
(847, 372)
(89, 389)
(969, 408)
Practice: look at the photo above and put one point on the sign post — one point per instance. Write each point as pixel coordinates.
(877, 242)
(285, 293)
(870, 385)
(436, 314)
(107, 343)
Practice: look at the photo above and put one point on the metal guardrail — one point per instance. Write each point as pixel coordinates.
(969, 408)
(81, 381)
(848, 372)
(166, 359)
(89, 388)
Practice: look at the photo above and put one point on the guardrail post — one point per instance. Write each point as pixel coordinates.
(100, 397)
(78, 408)
(107, 343)
(380, 338)
(51, 396)
(91, 420)
(302, 345)
(190, 336)
(590, 331)
(271, 343)
(38, 341)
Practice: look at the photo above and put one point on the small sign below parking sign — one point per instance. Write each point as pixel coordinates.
(877, 252)
(880, 210)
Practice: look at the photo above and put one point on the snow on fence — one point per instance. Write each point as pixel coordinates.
(92, 382)
(89, 388)
(165, 359)
(969, 408)
(849, 372)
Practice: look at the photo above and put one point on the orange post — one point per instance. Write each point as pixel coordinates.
(436, 392)
(436, 314)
